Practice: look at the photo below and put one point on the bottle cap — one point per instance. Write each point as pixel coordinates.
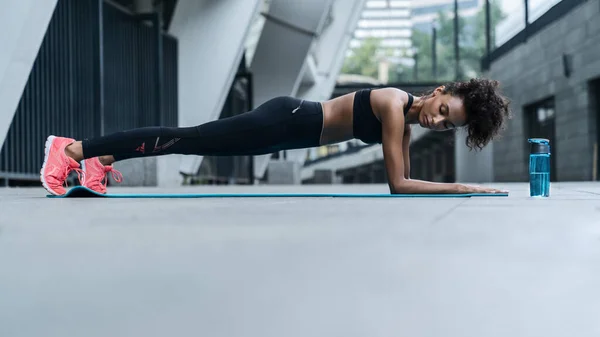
(539, 145)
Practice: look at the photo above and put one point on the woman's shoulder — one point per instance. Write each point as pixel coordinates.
(389, 96)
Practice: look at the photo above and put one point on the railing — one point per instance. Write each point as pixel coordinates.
(351, 148)
(99, 69)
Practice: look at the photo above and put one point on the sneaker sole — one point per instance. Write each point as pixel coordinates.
(47, 148)
(84, 184)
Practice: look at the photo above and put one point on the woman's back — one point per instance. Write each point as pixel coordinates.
(357, 114)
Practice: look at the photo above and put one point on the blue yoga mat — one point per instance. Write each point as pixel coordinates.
(83, 192)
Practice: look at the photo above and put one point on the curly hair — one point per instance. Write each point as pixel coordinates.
(486, 109)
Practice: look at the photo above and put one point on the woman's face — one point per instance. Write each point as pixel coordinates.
(442, 112)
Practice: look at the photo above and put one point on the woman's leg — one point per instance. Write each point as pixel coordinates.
(279, 124)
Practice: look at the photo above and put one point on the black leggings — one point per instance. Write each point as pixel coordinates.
(283, 123)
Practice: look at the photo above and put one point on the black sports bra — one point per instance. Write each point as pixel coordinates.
(366, 126)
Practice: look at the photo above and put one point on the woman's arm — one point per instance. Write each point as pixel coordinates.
(394, 154)
(405, 148)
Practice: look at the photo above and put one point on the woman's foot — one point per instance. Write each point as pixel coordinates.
(96, 174)
(75, 151)
(57, 165)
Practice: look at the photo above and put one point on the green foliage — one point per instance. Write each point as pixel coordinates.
(363, 60)
(472, 44)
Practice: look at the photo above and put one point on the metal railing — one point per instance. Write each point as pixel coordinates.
(99, 70)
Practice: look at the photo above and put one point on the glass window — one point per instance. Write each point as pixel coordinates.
(399, 4)
(376, 4)
(537, 8)
(392, 13)
(383, 33)
(513, 20)
(383, 23)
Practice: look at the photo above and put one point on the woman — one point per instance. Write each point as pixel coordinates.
(373, 116)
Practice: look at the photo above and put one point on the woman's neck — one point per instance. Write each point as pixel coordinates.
(412, 116)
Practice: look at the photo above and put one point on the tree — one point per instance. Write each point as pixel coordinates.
(364, 59)
(476, 49)
(472, 46)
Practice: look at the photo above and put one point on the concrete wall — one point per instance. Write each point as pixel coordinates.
(330, 49)
(534, 71)
(23, 25)
(473, 166)
(325, 63)
(312, 71)
(288, 53)
(280, 59)
(211, 38)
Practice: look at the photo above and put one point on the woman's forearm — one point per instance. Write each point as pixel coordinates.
(411, 186)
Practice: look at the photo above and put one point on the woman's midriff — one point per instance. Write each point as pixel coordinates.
(337, 119)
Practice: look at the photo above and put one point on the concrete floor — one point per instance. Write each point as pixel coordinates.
(285, 267)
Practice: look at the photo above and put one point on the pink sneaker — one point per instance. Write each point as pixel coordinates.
(57, 165)
(95, 175)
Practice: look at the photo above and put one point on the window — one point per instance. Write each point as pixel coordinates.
(361, 34)
(594, 92)
(540, 123)
(396, 43)
(392, 13)
(399, 4)
(384, 23)
(377, 4)
(388, 4)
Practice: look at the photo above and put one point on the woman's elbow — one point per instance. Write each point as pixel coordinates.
(399, 187)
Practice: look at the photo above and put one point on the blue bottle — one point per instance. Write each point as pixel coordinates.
(539, 167)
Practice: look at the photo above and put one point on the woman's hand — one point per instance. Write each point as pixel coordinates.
(479, 189)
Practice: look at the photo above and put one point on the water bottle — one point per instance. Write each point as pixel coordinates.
(539, 167)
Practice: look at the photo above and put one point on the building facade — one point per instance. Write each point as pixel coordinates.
(425, 12)
(388, 20)
(551, 73)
